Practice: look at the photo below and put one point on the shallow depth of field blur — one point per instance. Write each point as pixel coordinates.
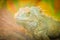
(51, 8)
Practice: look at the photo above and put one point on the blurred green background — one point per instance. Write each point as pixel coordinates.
(14, 5)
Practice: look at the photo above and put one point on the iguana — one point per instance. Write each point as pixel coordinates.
(35, 21)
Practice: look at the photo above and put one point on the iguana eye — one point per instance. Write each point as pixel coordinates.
(28, 14)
